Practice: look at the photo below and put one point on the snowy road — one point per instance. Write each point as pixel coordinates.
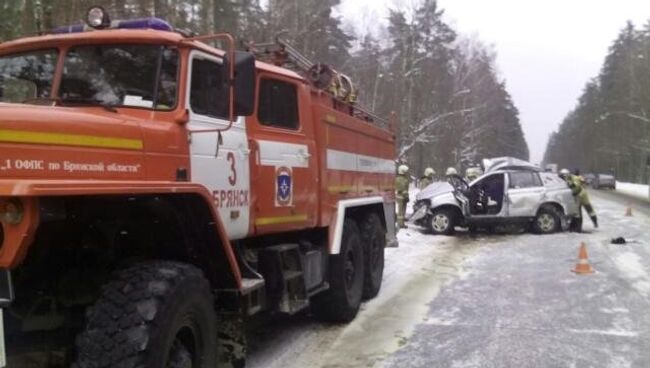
(493, 301)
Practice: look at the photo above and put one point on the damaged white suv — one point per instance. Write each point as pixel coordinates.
(511, 191)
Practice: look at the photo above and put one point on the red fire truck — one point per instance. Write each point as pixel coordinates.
(155, 191)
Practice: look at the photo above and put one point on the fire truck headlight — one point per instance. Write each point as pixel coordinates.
(97, 18)
(12, 211)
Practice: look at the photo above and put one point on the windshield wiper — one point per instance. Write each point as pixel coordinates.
(71, 101)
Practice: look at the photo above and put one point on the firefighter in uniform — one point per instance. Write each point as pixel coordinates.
(427, 178)
(402, 182)
(472, 173)
(453, 178)
(577, 185)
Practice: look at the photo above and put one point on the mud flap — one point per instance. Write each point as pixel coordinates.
(232, 342)
(389, 216)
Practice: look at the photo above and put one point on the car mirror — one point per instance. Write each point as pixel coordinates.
(244, 82)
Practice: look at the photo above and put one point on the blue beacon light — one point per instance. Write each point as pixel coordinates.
(97, 18)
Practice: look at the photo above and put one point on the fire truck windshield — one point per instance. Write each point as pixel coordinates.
(27, 76)
(142, 76)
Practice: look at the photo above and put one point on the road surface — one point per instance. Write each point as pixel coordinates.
(490, 301)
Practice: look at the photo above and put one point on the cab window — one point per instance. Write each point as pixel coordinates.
(27, 76)
(208, 92)
(524, 179)
(120, 75)
(278, 104)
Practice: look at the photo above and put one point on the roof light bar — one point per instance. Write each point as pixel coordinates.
(140, 23)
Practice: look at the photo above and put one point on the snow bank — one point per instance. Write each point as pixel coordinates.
(634, 190)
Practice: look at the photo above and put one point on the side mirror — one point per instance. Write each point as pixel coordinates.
(244, 83)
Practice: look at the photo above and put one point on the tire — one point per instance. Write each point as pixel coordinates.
(442, 222)
(373, 237)
(340, 303)
(156, 314)
(547, 221)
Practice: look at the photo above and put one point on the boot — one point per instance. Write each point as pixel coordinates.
(576, 225)
(594, 219)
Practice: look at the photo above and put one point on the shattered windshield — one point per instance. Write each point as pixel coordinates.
(120, 75)
(27, 76)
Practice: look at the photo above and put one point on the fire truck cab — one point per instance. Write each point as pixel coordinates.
(156, 191)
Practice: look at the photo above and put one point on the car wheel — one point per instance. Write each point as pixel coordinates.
(442, 222)
(547, 221)
(157, 314)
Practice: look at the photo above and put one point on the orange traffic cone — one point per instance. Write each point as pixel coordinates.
(628, 211)
(583, 266)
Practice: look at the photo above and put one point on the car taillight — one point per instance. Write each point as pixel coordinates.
(12, 211)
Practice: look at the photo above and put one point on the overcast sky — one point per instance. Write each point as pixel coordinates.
(547, 50)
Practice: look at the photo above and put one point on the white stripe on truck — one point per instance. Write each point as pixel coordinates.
(348, 161)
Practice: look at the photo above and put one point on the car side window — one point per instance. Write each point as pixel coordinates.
(208, 93)
(278, 104)
(524, 179)
(493, 182)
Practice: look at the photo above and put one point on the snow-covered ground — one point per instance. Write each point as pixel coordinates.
(520, 306)
(490, 301)
(634, 190)
(413, 275)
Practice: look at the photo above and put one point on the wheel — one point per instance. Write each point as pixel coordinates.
(157, 314)
(340, 303)
(547, 221)
(442, 222)
(373, 237)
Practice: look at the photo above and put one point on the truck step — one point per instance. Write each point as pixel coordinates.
(293, 306)
(253, 293)
(250, 285)
(282, 266)
(291, 275)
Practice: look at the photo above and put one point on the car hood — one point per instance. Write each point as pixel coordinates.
(28, 114)
(434, 190)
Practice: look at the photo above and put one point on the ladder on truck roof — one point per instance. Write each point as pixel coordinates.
(321, 76)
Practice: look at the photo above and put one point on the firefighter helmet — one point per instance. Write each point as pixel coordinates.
(429, 171)
(451, 171)
(402, 169)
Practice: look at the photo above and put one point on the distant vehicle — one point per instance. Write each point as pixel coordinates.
(589, 178)
(511, 191)
(601, 181)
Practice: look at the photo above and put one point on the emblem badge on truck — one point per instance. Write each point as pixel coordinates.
(283, 187)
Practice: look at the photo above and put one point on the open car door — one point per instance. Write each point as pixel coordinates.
(487, 197)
